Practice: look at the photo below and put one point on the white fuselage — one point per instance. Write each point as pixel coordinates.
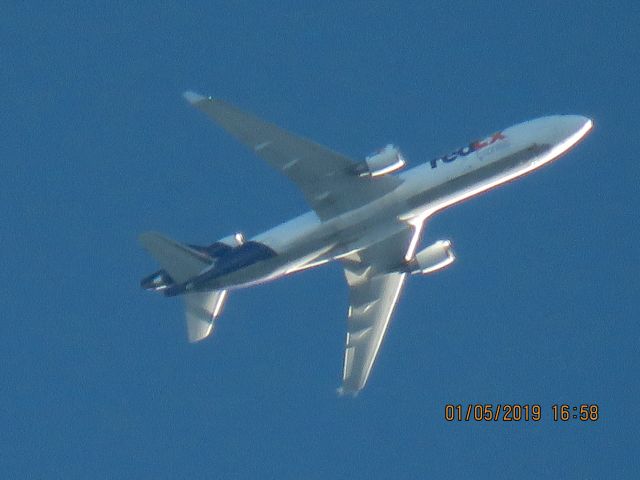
(305, 241)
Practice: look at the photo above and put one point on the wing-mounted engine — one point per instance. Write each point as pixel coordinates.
(385, 161)
(433, 258)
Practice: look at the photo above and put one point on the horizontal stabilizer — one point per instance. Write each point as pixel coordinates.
(180, 261)
(202, 309)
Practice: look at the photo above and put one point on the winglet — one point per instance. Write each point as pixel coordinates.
(193, 97)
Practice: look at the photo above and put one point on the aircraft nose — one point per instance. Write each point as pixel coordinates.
(565, 130)
(573, 124)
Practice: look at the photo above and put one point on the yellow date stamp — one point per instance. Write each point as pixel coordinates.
(520, 412)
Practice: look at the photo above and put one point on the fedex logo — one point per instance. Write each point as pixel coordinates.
(464, 151)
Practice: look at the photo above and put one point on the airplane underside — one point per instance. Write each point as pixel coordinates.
(362, 216)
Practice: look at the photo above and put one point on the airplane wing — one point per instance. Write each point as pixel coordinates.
(326, 178)
(373, 293)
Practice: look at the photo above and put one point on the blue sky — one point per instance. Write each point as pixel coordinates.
(98, 146)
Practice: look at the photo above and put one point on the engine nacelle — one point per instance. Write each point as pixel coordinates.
(433, 258)
(219, 248)
(234, 240)
(387, 160)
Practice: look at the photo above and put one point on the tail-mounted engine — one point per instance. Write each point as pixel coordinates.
(385, 161)
(222, 246)
(433, 258)
(234, 240)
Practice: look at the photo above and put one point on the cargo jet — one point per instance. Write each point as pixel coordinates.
(363, 215)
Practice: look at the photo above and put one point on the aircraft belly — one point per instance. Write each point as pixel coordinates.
(471, 182)
(296, 257)
(369, 221)
(311, 247)
(306, 241)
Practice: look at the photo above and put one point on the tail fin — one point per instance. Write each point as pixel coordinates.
(182, 263)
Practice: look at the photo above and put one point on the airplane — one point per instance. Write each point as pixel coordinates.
(364, 215)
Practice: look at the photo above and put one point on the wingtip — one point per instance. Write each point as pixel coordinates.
(193, 97)
(347, 392)
(144, 237)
